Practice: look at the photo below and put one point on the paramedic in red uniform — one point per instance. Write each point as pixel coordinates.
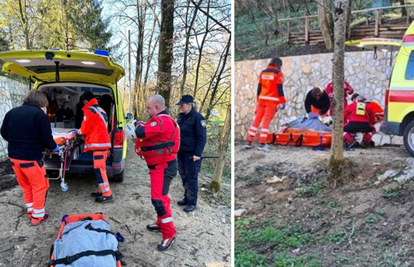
(270, 97)
(317, 103)
(158, 142)
(359, 118)
(27, 131)
(95, 128)
(348, 90)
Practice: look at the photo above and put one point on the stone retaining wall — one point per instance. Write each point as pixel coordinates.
(368, 76)
(11, 95)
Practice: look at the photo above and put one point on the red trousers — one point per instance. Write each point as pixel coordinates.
(264, 115)
(161, 176)
(31, 176)
(99, 164)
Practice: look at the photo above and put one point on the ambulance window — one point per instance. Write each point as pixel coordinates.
(409, 71)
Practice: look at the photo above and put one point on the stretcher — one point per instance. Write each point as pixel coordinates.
(67, 141)
(302, 132)
(86, 240)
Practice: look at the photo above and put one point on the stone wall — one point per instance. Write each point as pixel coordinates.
(11, 95)
(368, 76)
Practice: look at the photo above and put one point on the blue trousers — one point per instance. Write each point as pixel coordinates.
(189, 170)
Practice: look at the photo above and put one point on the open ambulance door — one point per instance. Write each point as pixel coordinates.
(378, 44)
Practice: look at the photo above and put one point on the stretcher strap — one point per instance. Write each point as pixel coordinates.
(70, 259)
(299, 141)
(90, 227)
(290, 139)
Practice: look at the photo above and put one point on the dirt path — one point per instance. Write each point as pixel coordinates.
(288, 214)
(203, 236)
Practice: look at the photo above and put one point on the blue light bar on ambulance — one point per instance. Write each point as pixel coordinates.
(101, 52)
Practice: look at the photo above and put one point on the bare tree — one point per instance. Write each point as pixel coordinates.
(215, 185)
(325, 22)
(165, 55)
(336, 160)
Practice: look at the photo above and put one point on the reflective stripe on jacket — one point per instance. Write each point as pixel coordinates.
(95, 127)
(270, 87)
(359, 112)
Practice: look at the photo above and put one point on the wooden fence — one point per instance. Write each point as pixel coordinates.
(378, 27)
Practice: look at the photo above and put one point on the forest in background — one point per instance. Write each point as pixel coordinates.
(261, 30)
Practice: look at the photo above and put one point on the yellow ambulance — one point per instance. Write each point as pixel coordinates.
(399, 96)
(64, 76)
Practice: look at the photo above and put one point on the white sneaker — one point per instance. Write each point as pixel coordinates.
(264, 147)
(248, 145)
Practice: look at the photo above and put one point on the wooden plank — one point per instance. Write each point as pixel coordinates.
(306, 29)
(377, 22)
(288, 29)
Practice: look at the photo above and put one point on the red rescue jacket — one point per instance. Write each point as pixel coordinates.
(359, 112)
(270, 87)
(95, 127)
(158, 140)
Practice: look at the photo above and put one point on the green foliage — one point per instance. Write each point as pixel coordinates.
(247, 258)
(332, 204)
(393, 191)
(243, 224)
(285, 237)
(371, 219)
(382, 213)
(337, 237)
(317, 188)
(256, 33)
(283, 260)
(64, 24)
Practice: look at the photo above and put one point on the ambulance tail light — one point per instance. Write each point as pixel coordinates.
(119, 139)
(408, 38)
(387, 94)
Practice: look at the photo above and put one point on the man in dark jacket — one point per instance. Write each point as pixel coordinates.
(28, 132)
(317, 103)
(193, 140)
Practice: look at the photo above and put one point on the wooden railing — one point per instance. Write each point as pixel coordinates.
(375, 29)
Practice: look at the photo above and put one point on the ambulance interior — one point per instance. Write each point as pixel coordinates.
(65, 114)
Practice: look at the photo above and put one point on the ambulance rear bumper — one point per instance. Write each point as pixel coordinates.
(393, 128)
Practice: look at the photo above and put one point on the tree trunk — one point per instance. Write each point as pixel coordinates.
(187, 43)
(165, 56)
(215, 185)
(403, 9)
(325, 23)
(336, 160)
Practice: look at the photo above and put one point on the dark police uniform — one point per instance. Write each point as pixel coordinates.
(193, 140)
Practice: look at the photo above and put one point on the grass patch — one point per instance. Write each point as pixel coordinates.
(279, 238)
(392, 192)
(315, 189)
(243, 224)
(371, 219)
(332, 204)
(247, 258)
(336, 237)
(282, 260)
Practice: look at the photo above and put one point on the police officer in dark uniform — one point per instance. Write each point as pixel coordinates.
(193, 139)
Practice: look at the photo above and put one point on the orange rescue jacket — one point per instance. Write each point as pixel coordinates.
(95, 127)
(270, 87)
